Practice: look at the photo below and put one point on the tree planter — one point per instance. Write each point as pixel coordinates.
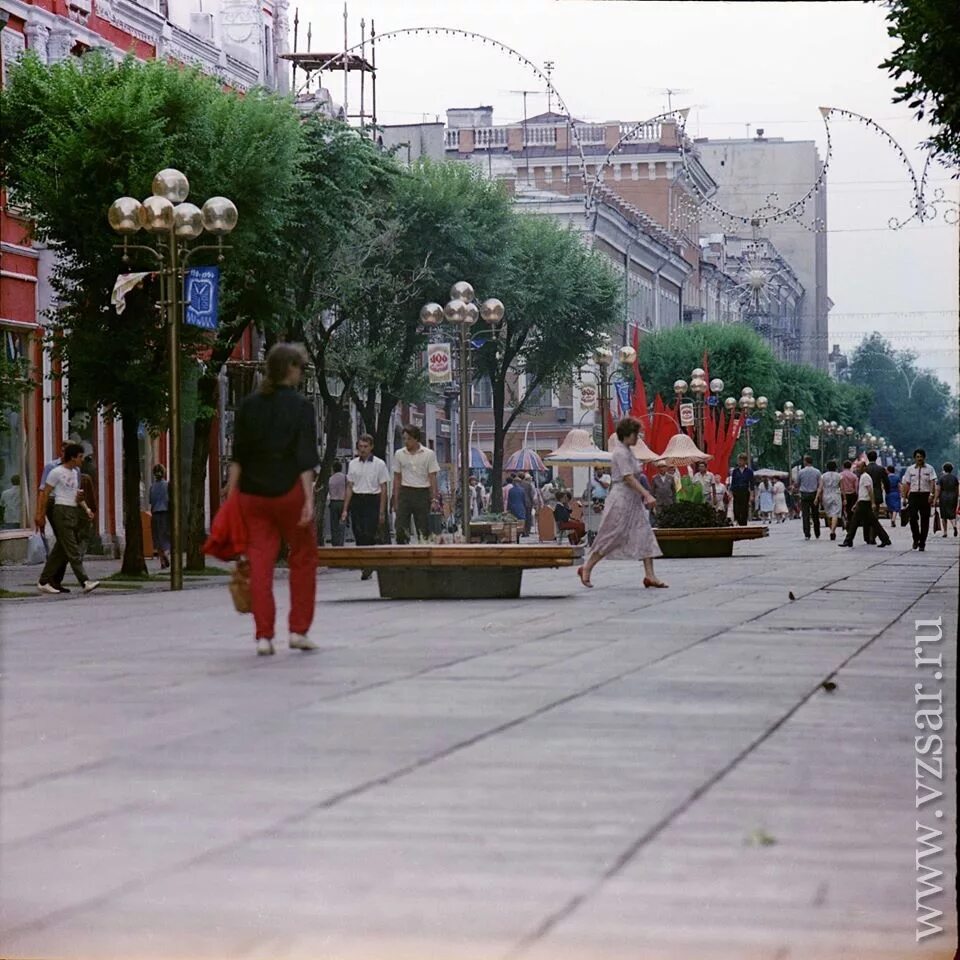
(676, 542)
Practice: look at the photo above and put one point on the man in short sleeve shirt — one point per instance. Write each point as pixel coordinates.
(415, 470)
(920, 486)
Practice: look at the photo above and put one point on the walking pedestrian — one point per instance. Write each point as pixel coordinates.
(864, 514)
(57, 575)
(741, 486)
(66, 518)
(159, 496)
(920, 486)
(849, 483)
(780, 509)
(529, 501)
(831, 497)
(881, 484)
(894, 503)
(366, 497)
(765, 500)
(336, 494)
(947, 496)
(808, 484)
(274, 459)
(516, 502)
(625, 532)
(88, 499)
(415, 470)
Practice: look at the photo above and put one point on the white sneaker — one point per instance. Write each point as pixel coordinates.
(299, 641)
(47, 588)
(264, 647)
(90, 586)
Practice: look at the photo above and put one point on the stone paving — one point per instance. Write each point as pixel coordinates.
(600, 775)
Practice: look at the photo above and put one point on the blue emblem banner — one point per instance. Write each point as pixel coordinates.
(202, 297)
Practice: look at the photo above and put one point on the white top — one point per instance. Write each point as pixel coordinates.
(415, 468)
(865, 490)
(921, 479)
(365, 476)
(65, 482)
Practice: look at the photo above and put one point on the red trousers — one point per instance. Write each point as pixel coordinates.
(575, 528)
(268, 519)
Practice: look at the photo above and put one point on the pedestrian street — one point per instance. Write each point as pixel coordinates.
(714, 771)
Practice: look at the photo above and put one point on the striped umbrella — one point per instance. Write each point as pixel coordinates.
(479, 460)
(526, 459)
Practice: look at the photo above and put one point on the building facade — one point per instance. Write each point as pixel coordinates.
(763, 172)
(238, 43)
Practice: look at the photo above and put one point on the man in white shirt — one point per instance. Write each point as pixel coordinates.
(415, 470)
(62, 484)
(366, 498)
(863, 514)
(336, 494)
(920, 486)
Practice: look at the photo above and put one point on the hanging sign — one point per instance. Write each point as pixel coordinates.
(778, 438)
(814, 442)
(623, 395)
(202, 297)
(440, 363)
(686, 415)
(588, 396)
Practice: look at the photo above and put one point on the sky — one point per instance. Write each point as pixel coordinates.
(768, 65)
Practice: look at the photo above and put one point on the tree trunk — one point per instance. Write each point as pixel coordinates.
(134, 563)
(207, 399)
(499, 434)
(381, 434)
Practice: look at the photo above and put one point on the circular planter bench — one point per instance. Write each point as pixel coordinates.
(676, 542)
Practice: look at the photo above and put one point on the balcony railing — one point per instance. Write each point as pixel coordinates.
(640, 132)
(451, 139)
(591, 133)
(490, 137)
(541, 136)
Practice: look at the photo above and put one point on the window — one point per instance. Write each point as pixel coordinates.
(15, 482)
(481, 393)
(540, 397)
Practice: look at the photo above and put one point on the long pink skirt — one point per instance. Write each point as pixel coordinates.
(625, 532)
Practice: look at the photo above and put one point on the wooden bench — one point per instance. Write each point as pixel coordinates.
(704, 541)
(459, 571)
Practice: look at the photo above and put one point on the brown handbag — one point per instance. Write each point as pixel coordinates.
(240, 587)
(936, 521)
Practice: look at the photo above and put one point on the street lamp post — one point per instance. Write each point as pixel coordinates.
(462, 312)
(173, 221)
(603, 358)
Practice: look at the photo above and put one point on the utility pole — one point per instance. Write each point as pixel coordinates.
(548, 66)
(526, 155)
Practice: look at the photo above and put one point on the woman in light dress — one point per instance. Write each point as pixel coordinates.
(625, 532)
(765, 501)
(780, 509)
(831, 497)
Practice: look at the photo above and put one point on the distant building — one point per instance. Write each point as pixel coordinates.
(644, 169)
(838, 362)
(763, 172)
(413, 141)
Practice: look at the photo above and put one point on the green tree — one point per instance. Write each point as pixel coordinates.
(927, 62)
(910, 406)
(75, 136)
(561, 299)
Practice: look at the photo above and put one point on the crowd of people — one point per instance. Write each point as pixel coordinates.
(272, 483)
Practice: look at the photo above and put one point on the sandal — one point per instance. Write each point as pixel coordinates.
(647, 582)
(586, 583)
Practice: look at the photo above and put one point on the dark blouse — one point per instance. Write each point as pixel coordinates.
(274, 441)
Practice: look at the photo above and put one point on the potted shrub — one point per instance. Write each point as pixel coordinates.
(688, 529)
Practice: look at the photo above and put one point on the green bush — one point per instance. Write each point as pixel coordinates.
(687, 515)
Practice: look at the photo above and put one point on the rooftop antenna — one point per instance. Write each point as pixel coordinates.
(346, 67)
(548, 66)
(296, 30)
(526, 155)
(670, 93)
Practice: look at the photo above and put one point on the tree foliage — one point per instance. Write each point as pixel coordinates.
(927, 64)
(740, 357)
(76, 135)
(561, 299)
(910, 406)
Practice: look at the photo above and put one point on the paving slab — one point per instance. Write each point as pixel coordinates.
(587, 774)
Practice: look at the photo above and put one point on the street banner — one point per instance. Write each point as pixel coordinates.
(202, 297)
(588, 396)
(440, 363)
(814, 443)
(686, 415)
(851, 453)
(623, 395)
(778, 438)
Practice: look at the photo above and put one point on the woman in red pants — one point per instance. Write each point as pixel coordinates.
(274, 456)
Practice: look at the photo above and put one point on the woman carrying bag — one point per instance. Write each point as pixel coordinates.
(272, 474)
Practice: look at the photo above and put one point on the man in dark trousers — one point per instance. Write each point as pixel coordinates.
(863, 513)
(808, 486)
(741, 485)
(920, 486)
(881, 487)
